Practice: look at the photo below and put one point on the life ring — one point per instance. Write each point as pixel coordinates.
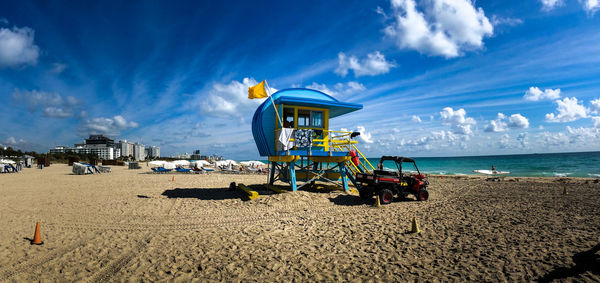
(354, 157)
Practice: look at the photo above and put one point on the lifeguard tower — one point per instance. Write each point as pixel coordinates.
(299, 144)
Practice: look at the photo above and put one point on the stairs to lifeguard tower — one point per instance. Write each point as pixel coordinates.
(343, 143)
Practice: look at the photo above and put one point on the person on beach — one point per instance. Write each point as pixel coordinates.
(493, 169)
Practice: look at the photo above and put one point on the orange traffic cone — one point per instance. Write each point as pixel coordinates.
(173, 179)
(442, 177)
(37, 238)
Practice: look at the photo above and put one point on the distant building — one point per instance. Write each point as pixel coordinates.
(196, 155)
(139, 152)
(99, 141)
(153, 151)
(101, 152)
(126, 148)
(106, 148)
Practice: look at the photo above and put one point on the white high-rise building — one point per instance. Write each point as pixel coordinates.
(126, 148)
(139, 152)
(153, 151)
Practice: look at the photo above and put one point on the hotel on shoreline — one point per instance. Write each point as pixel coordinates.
(106, 149)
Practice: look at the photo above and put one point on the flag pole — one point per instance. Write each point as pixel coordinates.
(273, 101)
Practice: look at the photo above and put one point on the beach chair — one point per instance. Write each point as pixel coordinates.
(104, 169)
(155, 170)
(183, 170)
(95, 169)
(163, 170)
(207, 170)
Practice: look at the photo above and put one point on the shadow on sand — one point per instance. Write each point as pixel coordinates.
(353, 200)
(204, 193)
(349, 200)
(213, 193)
(584, 261)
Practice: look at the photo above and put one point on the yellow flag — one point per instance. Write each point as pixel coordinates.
(257, 91)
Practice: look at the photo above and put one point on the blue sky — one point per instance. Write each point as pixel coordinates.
(436, 77)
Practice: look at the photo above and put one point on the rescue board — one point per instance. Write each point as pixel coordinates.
(490, 172)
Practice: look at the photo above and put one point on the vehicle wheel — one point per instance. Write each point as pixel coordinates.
(422, 195)
(386, 196)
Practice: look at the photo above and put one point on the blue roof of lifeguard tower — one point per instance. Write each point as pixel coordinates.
(263, 122)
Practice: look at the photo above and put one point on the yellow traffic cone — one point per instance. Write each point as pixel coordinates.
(377, 202)
(415, 226)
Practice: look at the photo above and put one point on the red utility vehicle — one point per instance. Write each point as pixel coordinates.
(387, 184)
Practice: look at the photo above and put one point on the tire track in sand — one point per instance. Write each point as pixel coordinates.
(228, 222)
(12, 270)
(112, 268)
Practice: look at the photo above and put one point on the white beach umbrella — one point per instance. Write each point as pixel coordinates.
(181, 163)
(256, 163)
(7, 161)
(169, 165)
(246, 163)
(231, 162)
(156, 163)
(201, 163)
(221, 163)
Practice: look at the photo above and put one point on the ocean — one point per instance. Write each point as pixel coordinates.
(573, 164)
(577, 164)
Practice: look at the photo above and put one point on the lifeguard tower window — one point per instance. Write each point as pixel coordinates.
(308, 118)
(288, 116)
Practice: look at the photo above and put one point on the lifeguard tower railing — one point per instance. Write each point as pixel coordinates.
(331, 157)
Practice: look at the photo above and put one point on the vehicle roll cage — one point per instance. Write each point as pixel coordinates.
(398, 160)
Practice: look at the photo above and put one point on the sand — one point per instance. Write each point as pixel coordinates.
(129, 225)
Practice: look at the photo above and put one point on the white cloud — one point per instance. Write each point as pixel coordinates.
(51, 104)
(11, 141)
(374, 64)
(591, 6)
(321, 88)
(548, 5)
(106, 126)
(349, 87)
(17, 47)
(458, 120)
(535, 94)
(583, 135)
(499, 21)
(515, 121)
(443, 28)
(439, 139)
(504, 141)
(15, 143)
(596, 121)
(568, 110)
(415, 119)
(58, 68)
(230, 100)
(547, 139)
(518, 121)
(339, 88)
(595, 106)
(497, 125)
(522, 139)
(364, 135)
